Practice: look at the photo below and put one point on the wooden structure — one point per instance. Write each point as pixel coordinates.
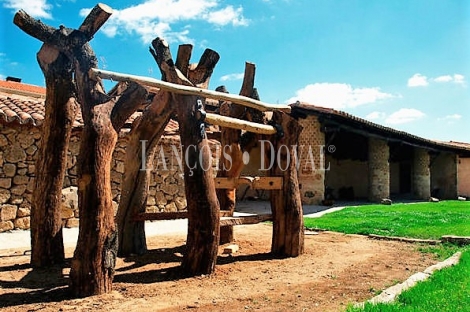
(285, 198)
(70, 67)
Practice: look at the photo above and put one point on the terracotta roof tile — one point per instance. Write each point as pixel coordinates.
(22, 88)
(21, 109)
(27, 110)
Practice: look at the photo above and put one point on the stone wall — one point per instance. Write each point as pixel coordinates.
(17, 165)
(421, 176)
(379, 171)
(312, 161)
(18, 150)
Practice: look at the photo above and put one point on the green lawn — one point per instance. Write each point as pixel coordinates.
(447, 290)
(418, 220)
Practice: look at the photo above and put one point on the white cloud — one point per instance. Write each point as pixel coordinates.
(459, 79)
(404, 115)
(452, 117)
(418, 80)
(338, 95)
(375, 115)
(228, 77)
(226, 16)
(35, 8)
(445, 78)
(2, 77)
(456, 78)
(156, 18)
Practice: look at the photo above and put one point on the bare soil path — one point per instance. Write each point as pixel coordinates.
(336, 269)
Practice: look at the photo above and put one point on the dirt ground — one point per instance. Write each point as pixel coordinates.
(335, 270)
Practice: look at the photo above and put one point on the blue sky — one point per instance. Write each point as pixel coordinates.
(403, 64)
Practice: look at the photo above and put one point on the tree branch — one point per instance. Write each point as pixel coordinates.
(183, 57)
(201, 74)
(127, 104)
(95, 19)
(33, 27)
(162, 55)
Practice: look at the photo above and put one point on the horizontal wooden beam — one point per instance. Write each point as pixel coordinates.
(177, 88)
(235, 123)
(255, 219)
(257, 183)
(158, 216)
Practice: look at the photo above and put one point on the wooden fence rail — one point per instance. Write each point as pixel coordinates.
(177, 88)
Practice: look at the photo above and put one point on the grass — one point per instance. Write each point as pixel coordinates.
(447, 290)
(417, 220)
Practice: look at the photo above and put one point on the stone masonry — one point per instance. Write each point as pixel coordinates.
(18, 150)
(17, 166)
(421, 186)
(312, 161)
(379, 170)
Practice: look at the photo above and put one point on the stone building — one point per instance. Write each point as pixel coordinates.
(340, 155)
(357, 159)
(21, 116)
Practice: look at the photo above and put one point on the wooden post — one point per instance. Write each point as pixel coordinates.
(230, 142)
(92, 267)
(147, 130)
(203, 206)
(286, 205)
(47, 246)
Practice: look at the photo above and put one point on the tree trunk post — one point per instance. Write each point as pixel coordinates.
(92, 267)
(203, 206)
(286, 205)
(147, 130)
(47, 246)
(145, 134)
(230, 141)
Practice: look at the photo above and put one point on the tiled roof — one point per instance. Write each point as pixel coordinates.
(21, 109)
(26, 110)
(15, 107)
(345, 119)
(19, 88)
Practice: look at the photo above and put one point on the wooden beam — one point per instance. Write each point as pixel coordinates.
(158, 216)
(255, 219)
(259, 183)
(188, 90)
(235, 123)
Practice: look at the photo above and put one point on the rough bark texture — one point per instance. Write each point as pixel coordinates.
(230, 142)
(47, 247)
(92, 267)
(286, 205)
(203, 206)
(149, 128)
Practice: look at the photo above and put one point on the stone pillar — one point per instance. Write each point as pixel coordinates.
(379, 171)
(421, 178)
(312, 164)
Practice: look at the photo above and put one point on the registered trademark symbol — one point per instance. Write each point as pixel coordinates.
(331, 148)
